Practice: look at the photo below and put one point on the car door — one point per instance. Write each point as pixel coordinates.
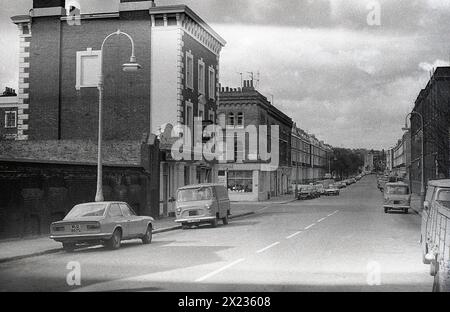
(133, 221)
(117, 219)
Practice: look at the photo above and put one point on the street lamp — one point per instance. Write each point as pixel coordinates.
(132, 66)
(422, 187)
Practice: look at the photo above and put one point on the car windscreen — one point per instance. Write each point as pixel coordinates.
(86, 210)
(397, 190)
(443, 198)
(197, 194)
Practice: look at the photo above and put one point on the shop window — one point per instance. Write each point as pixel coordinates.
(240, 181)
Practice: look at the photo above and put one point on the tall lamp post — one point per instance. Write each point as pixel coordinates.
(132, 66)
(422, 156)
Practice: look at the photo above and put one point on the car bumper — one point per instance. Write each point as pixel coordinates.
(397, 207)
(81, 238)
(196, 220)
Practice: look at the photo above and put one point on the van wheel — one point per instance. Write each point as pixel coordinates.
(214, 223)
(225, 220)
(69, 247)
(406, 211)
(115, 241)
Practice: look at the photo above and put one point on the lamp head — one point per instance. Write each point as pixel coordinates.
(132, 66)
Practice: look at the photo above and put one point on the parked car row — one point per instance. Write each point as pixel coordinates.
(332, 188)
(110, 223)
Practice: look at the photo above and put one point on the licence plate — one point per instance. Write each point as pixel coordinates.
(396, 202)
(76, 228)
(193, 213)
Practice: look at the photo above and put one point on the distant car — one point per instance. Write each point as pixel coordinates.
(332, 190)
(320, 188)
(107, 223)
(353, 180)
(341, 184)
(306, 192)
(397, 197)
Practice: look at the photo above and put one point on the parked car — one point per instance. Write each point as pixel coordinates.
(397, 197)
(332, 190)
(320, 189)
(202, 204)
(435, 227)
(107, 223)
(341, 184)
(306, 192)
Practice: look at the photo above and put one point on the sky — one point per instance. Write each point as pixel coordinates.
(347, 71)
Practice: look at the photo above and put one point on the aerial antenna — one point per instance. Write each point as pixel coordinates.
(258, 76)
(241, 78)
(252, 76)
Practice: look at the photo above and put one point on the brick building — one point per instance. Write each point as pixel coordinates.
(433, 103)
(311, 158)
(58, 96)
(9, 122)
(238, 109)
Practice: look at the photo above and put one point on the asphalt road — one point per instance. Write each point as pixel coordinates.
(344, 243)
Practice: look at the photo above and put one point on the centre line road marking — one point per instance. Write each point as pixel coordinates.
(293, 235)
(309, 226)
(268, 247)
(201, 279)
(332, 214)
(320, 220)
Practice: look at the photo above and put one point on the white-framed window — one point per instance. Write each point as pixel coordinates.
(10, 119)
(231, 120)
(189, 115)
(189, 70)
(212, 83)
(240, 119)
(201, 77)
(88, 68)
(201, 111)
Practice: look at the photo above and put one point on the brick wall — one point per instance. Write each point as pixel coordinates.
(58, 110)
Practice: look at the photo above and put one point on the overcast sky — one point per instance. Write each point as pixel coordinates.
(338, 77)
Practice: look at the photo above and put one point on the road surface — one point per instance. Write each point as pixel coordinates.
(344, 243)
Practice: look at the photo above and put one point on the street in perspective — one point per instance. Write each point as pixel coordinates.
(178, 146)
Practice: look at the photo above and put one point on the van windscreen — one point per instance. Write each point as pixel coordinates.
(195, 194)
(398, 190)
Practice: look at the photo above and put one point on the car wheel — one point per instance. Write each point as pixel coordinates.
(406, 211)
(184, 226)
(214, 223)
(115, 240)
(385, 210)
(69, 247)
(147, 239)
(225, 220)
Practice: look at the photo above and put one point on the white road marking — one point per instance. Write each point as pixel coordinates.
(293, 235)
(264, 208)
(219, 270)
(309, 226)
(268, 247)
(320, 220)
(332, 214)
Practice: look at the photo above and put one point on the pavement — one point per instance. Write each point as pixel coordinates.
(342, 243)
(15, 249)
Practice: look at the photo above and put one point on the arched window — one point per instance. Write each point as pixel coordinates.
(231, 119)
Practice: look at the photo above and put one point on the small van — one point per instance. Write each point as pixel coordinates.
(397, 197)
(202, 204)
